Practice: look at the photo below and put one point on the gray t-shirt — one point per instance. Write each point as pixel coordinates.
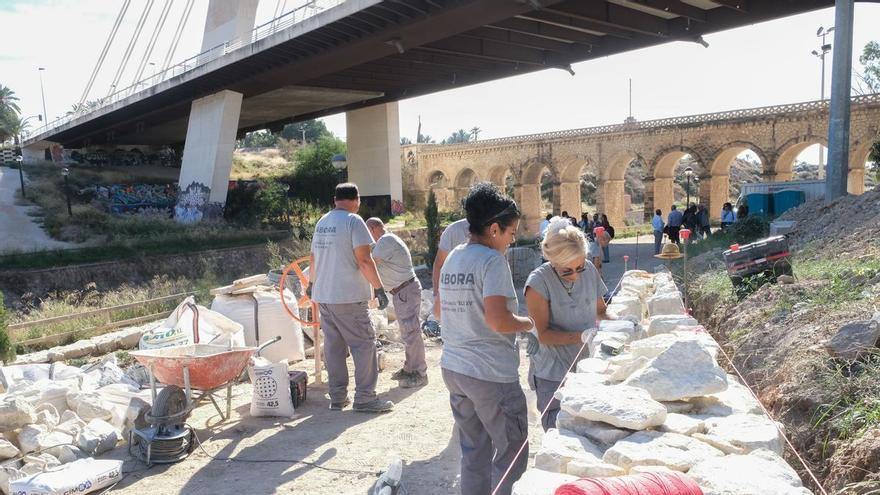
(393, 261)
(568, 313)
(339, 279)
(456, 233)
(471, 273)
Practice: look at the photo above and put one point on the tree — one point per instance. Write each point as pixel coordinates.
(475, 132)
(8, 100)
(257, 139)
(424, 139)
(868, 81)
(432, 219)
(9, 111)
(11, 125)
(405, 140)
(874, 158)
(314, 177)
(459, 136)
(314, 130)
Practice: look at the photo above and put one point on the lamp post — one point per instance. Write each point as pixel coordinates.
(43, 93)
(66, 172)
(823, 50)
(341, 166)
(20, 159)
(688, 172)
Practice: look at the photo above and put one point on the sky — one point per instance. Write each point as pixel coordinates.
(758, 65)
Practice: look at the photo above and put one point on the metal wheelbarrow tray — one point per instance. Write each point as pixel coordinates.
(202, 367)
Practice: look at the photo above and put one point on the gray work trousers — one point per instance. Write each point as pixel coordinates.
(544, 390)
(407, 303)
(492, 421)
(348, 326)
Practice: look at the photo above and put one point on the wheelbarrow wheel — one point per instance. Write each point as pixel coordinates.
(170, 403)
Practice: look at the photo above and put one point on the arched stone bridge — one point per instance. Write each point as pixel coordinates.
(777, 134)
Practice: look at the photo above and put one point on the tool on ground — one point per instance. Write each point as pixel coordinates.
(389, 482)
(204, 368)
(304, 302)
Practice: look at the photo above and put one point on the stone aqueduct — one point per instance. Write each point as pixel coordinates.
(777, 134)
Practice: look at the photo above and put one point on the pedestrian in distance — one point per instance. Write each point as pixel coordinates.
(674, 221)
(657, 225)
(343, 278)
(564, 298)
(605, 241)
(727, 216)
(584, 224)
(542, 229)
(742, 212)
(480, 361)
(703, 222)
(399, 279)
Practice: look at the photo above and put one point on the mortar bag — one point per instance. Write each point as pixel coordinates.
(177, 329)
(81, 476)
(271, 388)
(262, 316)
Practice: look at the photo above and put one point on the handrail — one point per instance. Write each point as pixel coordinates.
(789, 109)
(260, 32)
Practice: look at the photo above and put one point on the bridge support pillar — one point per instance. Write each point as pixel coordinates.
(530, 206)
(664, 196)
(207, 156)
(649, 207)
(611, 201)
(570, 198)
(373, 139)
(855, 180)
(714, 192)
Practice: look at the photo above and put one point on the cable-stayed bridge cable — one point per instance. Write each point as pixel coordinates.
(130, 48)
(103, 55)
(177, 34)
(152, 43)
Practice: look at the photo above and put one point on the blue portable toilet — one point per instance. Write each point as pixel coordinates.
(786, 200)
(759, 204)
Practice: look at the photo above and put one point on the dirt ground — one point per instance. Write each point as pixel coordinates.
(419, 430)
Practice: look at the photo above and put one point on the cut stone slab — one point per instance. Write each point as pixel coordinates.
(748, 431)
(602, 434)
(855, 338)
(665, 303)
(89, 406)
(627, 368)
(666, 323)
(29, 438)
(682, 424)
(623, 306)
(8, 450)
(683, 370)
(758, 472)
(736, 399)
(653, 448)
(79, 349)
(617, 405)
(559, 447)
(98, 437)
(582, 469)
(592, 365)
(719, 443)
(623, 326)
(540, 482)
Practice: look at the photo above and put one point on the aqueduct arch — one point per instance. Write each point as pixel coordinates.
(463, 182)
(775, 134)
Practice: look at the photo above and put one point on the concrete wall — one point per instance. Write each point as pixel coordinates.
(228, 20)
(373, 157)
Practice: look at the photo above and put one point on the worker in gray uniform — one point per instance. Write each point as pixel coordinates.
(399, 279)
(455, 234)
(341, 274)
(480, 362)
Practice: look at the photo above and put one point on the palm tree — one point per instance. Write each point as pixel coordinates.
(475, 132)
(8, 100)
(11, 126)
(459, 136)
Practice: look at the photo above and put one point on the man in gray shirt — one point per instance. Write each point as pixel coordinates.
(342, 272)
(398, 277)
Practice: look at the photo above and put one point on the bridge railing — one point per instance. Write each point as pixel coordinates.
(295, 16)
(705, 118)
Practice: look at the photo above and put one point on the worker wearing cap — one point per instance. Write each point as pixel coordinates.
(343, 278)
(396, 271)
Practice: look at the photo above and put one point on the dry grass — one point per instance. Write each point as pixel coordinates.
(262, 164)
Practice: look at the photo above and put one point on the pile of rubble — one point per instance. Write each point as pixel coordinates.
(54, 414)
(653, 398)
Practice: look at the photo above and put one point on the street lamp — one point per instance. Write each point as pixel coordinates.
(823, 50)
(65, 172)
(43, 93)
(341, 166)
(688, 172)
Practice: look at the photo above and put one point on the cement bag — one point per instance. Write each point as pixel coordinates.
(271, 321)
(177, 329)
(271, 388)
(82, 476)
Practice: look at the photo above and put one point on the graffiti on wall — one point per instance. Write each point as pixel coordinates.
(194, 204)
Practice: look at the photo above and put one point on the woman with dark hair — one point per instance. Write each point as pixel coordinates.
(727, 216)
(605, 242)
(480, 362)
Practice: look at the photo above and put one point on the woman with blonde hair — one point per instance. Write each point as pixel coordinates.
(564, 298)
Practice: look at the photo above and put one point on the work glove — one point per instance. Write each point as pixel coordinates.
(309, 289)
(379, 294)
(532, 343)
(588, 335)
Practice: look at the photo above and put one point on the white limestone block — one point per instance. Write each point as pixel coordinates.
(666, 303)
(720, 444)
(682, 424)
(583, 469)
(592, 365)
(748, 431)
(623, 306)
(559, 447)
(8, 450)
(98, 437)
(666, 323)
(15, 413)
(602, 434)
(632, 330)
(736, 399)
(653, 448)
(759, 472)
(683, 370)
(628, 367)
(540, 482)
(617, 405)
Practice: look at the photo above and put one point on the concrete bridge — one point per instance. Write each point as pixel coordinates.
(776, 134)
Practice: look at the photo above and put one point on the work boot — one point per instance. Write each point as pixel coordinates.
(400, 374)
(414, 380)
(374, 406)
(338, 406)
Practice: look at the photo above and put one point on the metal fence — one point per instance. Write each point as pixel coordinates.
(295, 16)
